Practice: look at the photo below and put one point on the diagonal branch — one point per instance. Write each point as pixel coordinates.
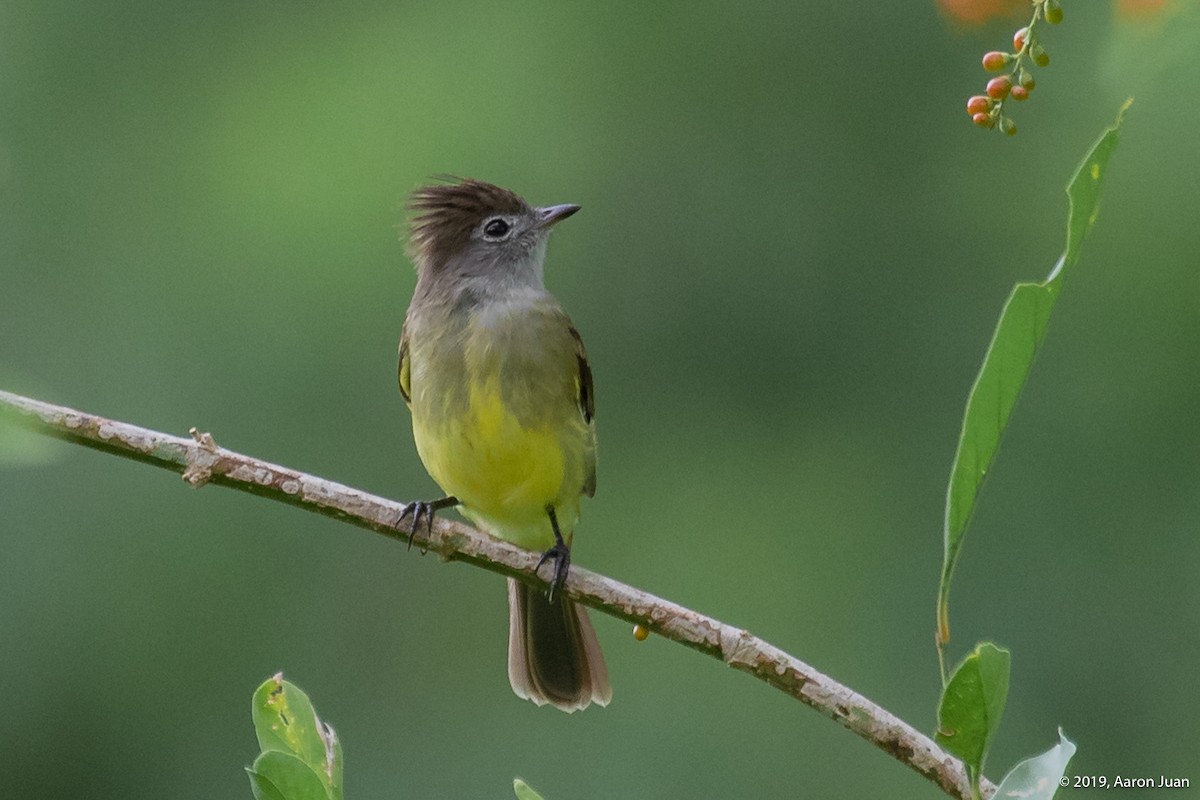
(201, 461)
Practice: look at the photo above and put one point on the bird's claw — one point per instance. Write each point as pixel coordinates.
(426, 509)
(560, 554)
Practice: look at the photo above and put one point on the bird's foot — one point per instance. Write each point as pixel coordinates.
(560, 554)
(426, 509)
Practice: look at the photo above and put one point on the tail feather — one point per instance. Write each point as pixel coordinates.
(553, 654)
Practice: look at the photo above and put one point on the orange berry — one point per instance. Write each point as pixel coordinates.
(998, 88)
(982, 119)
(1019, 39)
(995, 61)
(1020, 93)
(979, 104)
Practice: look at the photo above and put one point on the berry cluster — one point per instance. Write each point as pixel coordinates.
(987, 110)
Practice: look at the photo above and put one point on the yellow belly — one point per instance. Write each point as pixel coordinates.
(505, 474)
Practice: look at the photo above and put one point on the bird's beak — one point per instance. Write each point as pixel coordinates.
(550, 215)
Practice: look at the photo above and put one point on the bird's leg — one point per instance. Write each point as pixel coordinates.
(426, 509)
(559, 553)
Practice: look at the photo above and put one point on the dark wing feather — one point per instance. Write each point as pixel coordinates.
(587, 407)
(587, 401)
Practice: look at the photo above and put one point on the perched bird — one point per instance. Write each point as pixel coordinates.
(500, 391)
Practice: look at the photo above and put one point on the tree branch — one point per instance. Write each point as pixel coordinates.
(201, 461)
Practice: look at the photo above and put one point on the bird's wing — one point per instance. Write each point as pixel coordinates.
(405, 370)
(586, 398)
(587, 402)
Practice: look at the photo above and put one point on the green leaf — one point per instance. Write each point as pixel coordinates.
(282, 776)
(973, 703)
(285, 722)
(1014, 345)
(262, 787)
(523, 792)
(1038, 778)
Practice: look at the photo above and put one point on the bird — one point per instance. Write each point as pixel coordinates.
(500, 391)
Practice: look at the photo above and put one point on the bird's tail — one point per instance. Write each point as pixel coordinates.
(553, 654)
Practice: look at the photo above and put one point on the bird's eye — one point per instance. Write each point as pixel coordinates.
(496, 228)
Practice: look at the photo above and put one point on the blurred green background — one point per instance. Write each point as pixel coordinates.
(793, 249)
